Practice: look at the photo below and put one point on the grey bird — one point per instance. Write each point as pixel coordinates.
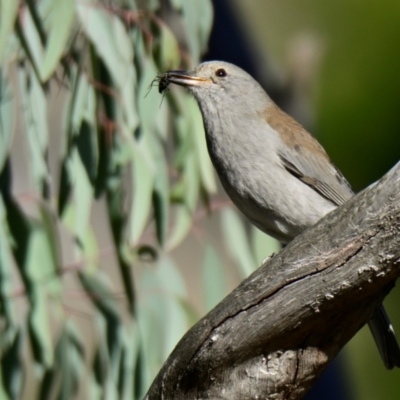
(273, 170)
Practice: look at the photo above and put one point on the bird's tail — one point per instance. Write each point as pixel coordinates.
(385, 338)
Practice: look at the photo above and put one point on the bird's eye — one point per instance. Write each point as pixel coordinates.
(220, 72)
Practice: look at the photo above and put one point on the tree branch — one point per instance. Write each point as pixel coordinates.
(275, 333)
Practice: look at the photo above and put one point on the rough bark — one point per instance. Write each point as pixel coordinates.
(274, 334)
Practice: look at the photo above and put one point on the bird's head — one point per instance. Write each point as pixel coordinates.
(219, 84)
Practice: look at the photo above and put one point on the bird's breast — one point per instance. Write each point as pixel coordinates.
(247, 163)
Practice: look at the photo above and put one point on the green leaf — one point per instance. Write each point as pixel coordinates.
(6, 269)
(51, 249)
(60, 20)
(197, 29)
(129, 106)
(11, 366)
(162, 318)
(177, 4)
(83, 106)
(114, 47)
(90, 251)
(174, 289)
(63, 379)
(206, 169)
(148, 108)
(111, 328)
(70, 362)
(109, 325)
(77, 214)
(170, 278)
(237, 242)
(40, 251)
(39, 328)
(110, 39)
(107, 358)
(151, 5)
(31, 39)
(214, 278)
(143, 174)
(148, 98)
(161, 189)
(7, 120)
(101, 295)
(185, 211)
(34, 106)
(8, 14)
(263, 245)
(177, 323)
(182, 223)
(86, 143)
(129, 356)
(3, 391)
(165, 48)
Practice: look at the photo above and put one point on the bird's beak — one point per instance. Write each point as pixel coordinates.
(185, 78)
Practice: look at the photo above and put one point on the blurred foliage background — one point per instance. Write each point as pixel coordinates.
(115, 236)
(102, 179)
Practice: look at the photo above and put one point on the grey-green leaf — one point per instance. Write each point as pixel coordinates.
(263, 245)
(7, 117)
(8, 14)
(237, 241)
(60, 20)
(214, 278)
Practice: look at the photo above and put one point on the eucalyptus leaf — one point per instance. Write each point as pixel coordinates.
(177, 4)
(197, 29)
(84, 96)
(158, 312)
(110, 39)
(31, 39)
(263, 245)
(65, 377)
(60, 19)
(143, 174)
(86, 143)
(237, 241)
(3, 392)
(130, 351)
(206, 169)
(39, 328)
(11, 367)
(165, 48)
(8, 14)
(174, 289)
(51, 248)
(40, 274)
(101, 296)
(109, 324)
(148, 99)
(177, 324)
(214, 278)
(6, 269)
(111, 128)
(90, 250)
(170, 277)
(70, 359)
(34, 106)
(77, 214)
(7, 117)
(185, 211)
(161, 189)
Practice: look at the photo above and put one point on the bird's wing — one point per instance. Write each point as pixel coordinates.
(306, 159)
(324, 178)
